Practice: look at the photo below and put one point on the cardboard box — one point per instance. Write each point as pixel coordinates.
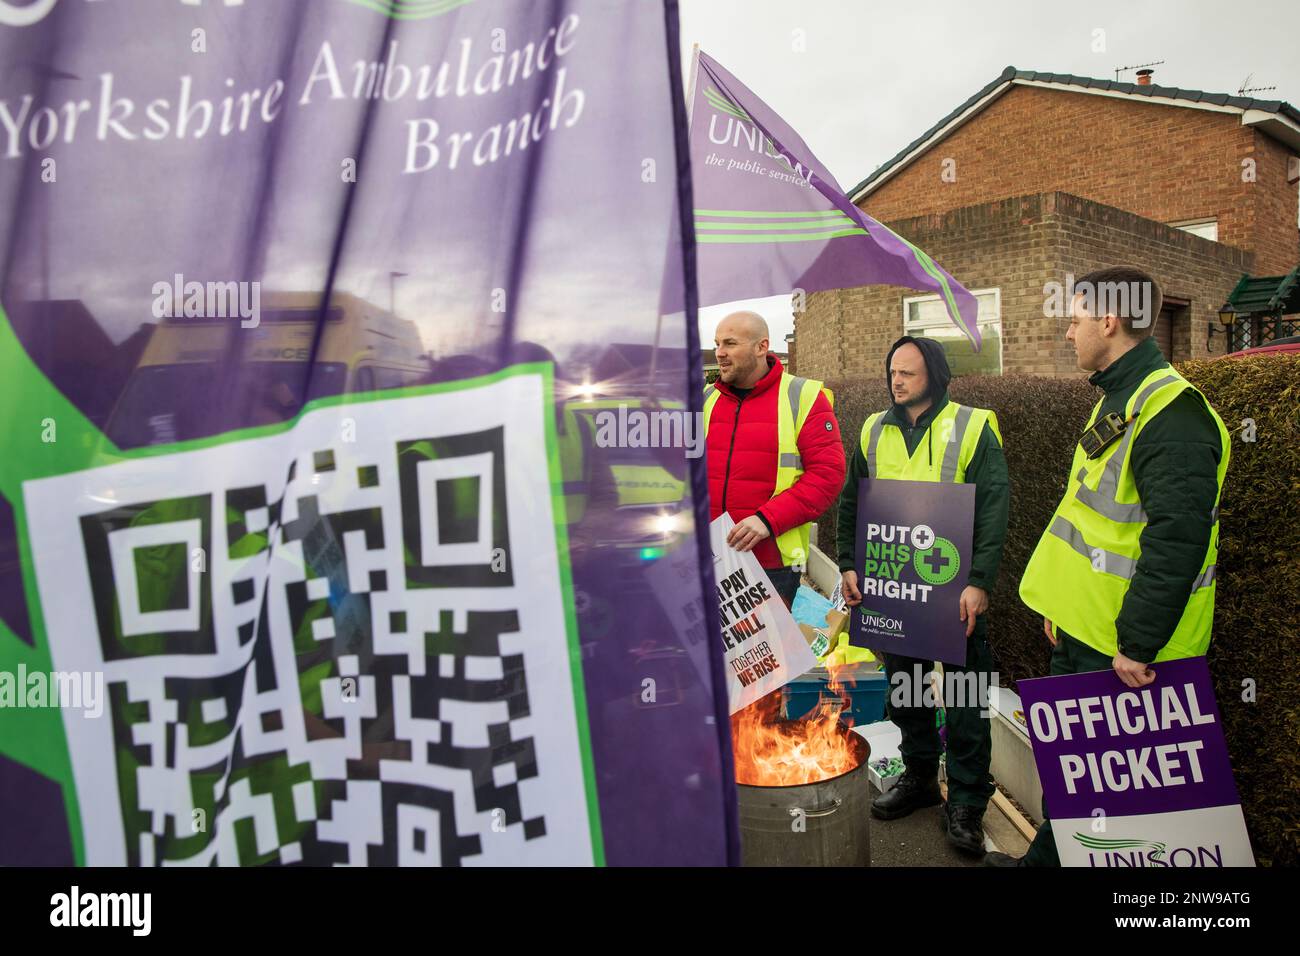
(837, 622)
(884, 765)
(817, 640)
(822, 639)
(884, 779)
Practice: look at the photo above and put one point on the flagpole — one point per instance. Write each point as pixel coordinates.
(690, 85)
(690, 97)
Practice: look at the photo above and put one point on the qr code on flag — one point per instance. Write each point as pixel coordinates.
(343, 643)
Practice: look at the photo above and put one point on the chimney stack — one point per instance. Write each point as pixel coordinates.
(1144, 77)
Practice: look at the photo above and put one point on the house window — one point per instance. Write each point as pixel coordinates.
(925, 315)
(1257, 331)
(1205, 228)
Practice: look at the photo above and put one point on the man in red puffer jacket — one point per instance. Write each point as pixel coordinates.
(775, 461)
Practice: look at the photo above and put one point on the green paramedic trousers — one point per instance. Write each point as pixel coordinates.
(970, 744)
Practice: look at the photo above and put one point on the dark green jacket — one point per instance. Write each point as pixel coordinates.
(987, 472)
(1175, 461)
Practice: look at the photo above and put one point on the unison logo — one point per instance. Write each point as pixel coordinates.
(880, 621)
(723, 105)
(1119, 843)
(1133, 852)
(740, 126)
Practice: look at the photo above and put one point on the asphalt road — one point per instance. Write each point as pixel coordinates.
(914, 840)
(919, 840)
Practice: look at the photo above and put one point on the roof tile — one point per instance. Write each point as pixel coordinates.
(1085, 82)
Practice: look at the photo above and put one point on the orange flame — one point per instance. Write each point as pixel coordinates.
(771, 752)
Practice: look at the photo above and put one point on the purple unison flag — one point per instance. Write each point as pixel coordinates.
(1136, 777)
(310, 313)
(770, 218)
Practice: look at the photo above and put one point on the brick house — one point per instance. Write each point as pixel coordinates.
(1038, 177)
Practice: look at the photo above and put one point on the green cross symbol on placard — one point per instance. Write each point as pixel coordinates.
(939, 563)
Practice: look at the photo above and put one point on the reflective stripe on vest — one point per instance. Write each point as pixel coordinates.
(799, 394)
(794, 401)
(1102, 500)
(1081, 570)
(958, 428)
(573, 465)
(1103, 561)
(710, 399)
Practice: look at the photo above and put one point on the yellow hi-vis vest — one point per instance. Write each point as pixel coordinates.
(636, 483)
(1083, 565)
(793, 403)
(955, 432)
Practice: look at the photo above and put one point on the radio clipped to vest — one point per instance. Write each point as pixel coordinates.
(1102, 434)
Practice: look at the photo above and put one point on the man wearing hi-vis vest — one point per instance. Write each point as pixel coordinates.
(923, 436)
(1124, 573)
(774, 457)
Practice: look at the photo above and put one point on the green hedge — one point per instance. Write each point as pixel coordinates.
(1257, 613)
(1257, 610)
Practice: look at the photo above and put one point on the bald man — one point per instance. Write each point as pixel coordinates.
(772, 445)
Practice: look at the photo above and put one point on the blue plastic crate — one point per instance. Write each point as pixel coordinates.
(866, 693)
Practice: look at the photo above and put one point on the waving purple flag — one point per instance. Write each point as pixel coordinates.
(310, 552)
(770, 218)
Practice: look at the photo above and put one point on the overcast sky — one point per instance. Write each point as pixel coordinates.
(874, 76)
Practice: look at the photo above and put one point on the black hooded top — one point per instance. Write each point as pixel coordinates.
(987, 471)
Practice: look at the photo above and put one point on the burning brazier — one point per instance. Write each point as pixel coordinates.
(802, 786)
